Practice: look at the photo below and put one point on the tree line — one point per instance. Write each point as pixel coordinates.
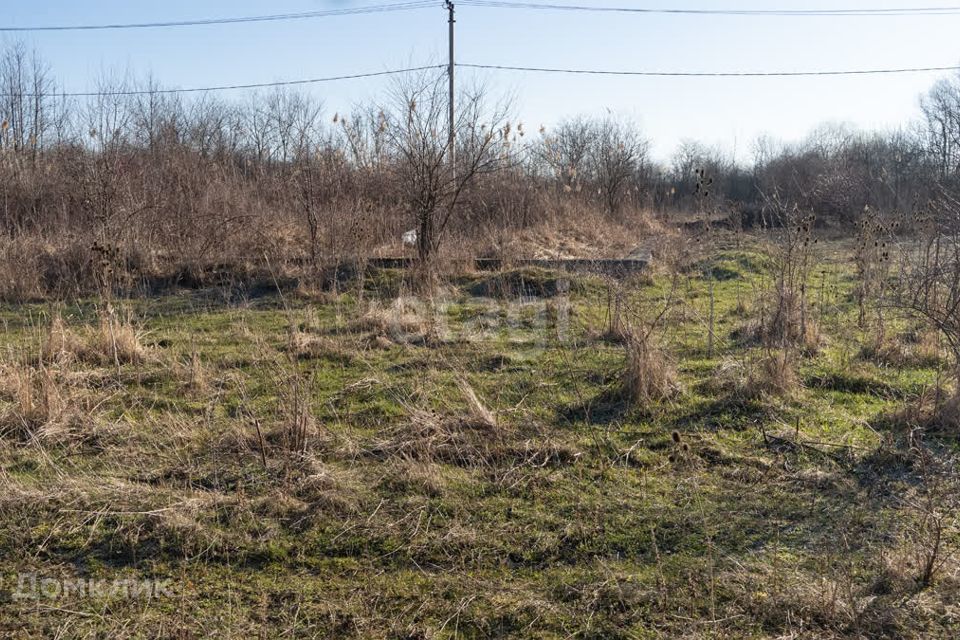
(135, 179)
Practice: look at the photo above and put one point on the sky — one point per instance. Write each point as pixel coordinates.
(729, 113)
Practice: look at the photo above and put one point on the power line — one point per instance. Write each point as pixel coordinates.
(381, 8)
(901, 11)
(496, 67)
(227, 87)
(711, 74)
(493, 4)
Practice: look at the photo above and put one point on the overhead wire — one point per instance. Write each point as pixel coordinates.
(709, 74)
(492, 4)
(879, 12)
(499, 67)
(226, 87)
(304, 15)
(504, 4)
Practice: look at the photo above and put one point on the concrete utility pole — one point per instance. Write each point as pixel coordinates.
(451, 117)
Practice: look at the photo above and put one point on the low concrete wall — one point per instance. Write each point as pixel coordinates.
(617, 268)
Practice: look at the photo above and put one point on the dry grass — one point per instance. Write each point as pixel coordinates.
(407, 475)
(307, 346)
(431, 437)
(578, 231)
(477, 412)
(947, 416)
(777, 375)
(195, 374)
(773, 374)
(117, 340)
(917, 348)
(61, 344)
(403, 321)
(36, 400)
(48, 405)
(935, 409)
(648, 375)
(784, 328)
(471, 438)
(113, 341)
(297, 429)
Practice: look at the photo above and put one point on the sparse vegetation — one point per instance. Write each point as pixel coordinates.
(207, 378)
(278, 445)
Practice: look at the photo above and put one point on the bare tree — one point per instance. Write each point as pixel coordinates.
(566, 151)
(930, 272)
(416, 143)
(618, 156)
(28, 112)
(941, 112)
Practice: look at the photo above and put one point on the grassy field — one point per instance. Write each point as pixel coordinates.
(370, 464)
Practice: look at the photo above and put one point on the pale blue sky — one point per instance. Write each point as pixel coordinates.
(724, 111)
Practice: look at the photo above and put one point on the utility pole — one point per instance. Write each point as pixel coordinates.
(451, 117)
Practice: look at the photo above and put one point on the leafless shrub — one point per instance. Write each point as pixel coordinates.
(428, 182)
(930, 524)
(648, 373)
(929, 282)
(786, 321)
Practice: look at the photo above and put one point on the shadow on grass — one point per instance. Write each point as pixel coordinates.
(847, 382)
(609, 406)
(726, 412)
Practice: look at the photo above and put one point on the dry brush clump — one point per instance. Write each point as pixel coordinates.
(117, 339)
(928, 284)
(194, 373)
(925, 549)
(45, 392)
(771, 374)
(918, 347)
(114, 340)
(786, 319)
(451, 439)
(872, 257)
(49, 404)
(405, 320)
(640, 325)
(292, 430)
(576, 230)
(467, 435)
(784, 324)
(307, 345)
(34, 401)
(648, 375)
